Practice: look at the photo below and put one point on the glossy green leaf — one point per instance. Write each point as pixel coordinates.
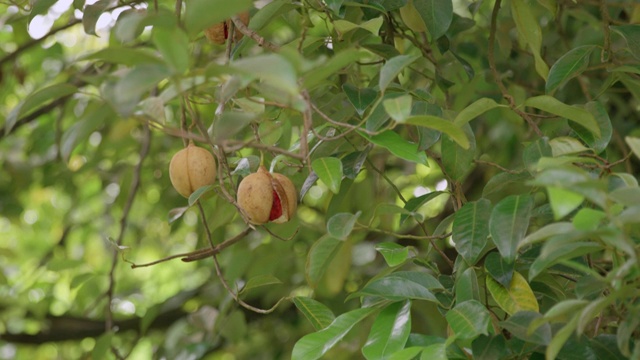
(398, 146)
(467, 286)
(517, 297)
(599, 112)
(529, 33)
(360, 98)
(563, 201)
(319, 257)
(509, 223)
(436, 14)
(471, 229)
(519, 326)
(402, 285)
(314, 345)
(35, 100)
(634, 144)
(408, 353)
(604, 346)
(173, 44)
(434, 352)
(392, 68)
(393, 254)
(272, 69)
(92, 13)
(196, 195)
(468, 320)
(588, 219)
(198, 15)
(260, 280)
(535, 151)
(399, 108)
(558, 250)
(498, 183)
(456, 159)
(318, 314)
(329, 170)
(340, 225)
(571, 64)
(416, 203)
(474, 110)
(631, 34)
(566, 145)
(500, 270)
(489, 347)
(389, 332)
(455, 132)
(578, 115)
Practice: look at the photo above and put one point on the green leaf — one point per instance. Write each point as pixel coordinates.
(556, 250)
(313, 346)
(509, 223)
(399, 108)
(500, 270)
(471, 229)
(319, 257)
(134, 83)
(271, 69)
(634, 144)
(517, 297)
(173, 44)
(408, 353)
(92, 13)
(393, 67)
(560, 338)
(394, 254)
(329, 170)
(320, 74)
(402, 285)
(535, 151)
(416, 203)
(489, 347)
(604, 346)
(455, 132)
(435, 352)
(40, 7)
(389, 332)
(468, 320)
(94, 118)
(231, 123)
(398, 146)
(529, 33)
(361, 99)
(474, 110)
(563, 201)
(456, 159)
(598, 144)
(519, 323)
(436, 14)
(467, 286)
(499, 182)
(35, 100)
(102, 346)
(587, 219)
(631, 34)
(340, 225)
(199, 14)
(573, 113)
(319, 315)
(196, 195)
(260, 280)
(571, 64)
(352, 162)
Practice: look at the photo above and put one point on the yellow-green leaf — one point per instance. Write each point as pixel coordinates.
(518, 297)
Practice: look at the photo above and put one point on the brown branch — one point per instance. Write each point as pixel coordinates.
(253, 35)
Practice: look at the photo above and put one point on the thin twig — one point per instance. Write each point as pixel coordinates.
(135, 185)
(253, 35)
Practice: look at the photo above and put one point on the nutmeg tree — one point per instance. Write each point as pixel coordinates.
(381, 179)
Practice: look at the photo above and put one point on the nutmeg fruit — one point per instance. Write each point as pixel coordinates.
(219, 33)
(191, 168)
(265, 197)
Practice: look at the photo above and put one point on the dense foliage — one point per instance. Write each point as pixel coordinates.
(467, 175)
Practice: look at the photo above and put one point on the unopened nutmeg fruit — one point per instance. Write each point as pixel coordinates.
(219, 33)
(191, 168)
(265, 197)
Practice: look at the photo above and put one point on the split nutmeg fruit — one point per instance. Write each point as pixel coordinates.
(219, 33)
(191, 168)
(265, 197)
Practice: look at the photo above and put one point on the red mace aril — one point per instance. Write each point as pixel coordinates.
(219, 33)
(265, 197)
